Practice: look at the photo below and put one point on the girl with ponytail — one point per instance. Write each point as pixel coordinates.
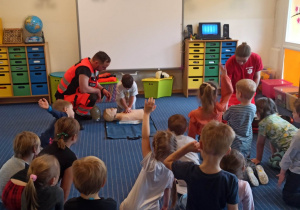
(41, 191)
(66, 134)
(211, 109)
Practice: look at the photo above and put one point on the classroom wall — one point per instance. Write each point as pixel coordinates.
(250, 21)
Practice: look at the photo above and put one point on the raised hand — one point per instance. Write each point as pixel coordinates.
(222, 69)
(149, 106)
(43, 103)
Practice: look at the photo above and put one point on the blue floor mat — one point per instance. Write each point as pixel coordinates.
(114, 130)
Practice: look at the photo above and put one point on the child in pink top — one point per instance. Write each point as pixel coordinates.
(211, 109)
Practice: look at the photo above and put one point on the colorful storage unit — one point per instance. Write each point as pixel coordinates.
(281, 92)
(202, 58)
(111, 87)
(55, 78)
(158, 88)
(290, 100)
(268, 86)
(5, 77)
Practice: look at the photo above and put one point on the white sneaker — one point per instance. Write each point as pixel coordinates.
(252, 177)
(262, 176)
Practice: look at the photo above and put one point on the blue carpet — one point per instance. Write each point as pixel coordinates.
(122, 157)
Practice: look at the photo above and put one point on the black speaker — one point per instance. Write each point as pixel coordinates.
(226, 31)
(189, 30)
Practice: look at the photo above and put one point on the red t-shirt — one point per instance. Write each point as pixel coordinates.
(237, 72)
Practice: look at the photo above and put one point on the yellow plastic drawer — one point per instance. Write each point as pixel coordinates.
(196, 50)
(3, 56)
(196, 56)
(4, 78)
(4, 68)
(196, 62)
(3, 49)
(5, 90)
(3, 62)
(194, 83)
(201, 44)
(195, 71)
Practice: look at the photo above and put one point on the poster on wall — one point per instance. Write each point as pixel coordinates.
(293, 22)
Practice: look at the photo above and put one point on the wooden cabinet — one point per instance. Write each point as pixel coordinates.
(23, 73)
(202, 58)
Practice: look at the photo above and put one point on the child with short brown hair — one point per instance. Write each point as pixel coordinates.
(90, 175)
(26, 146)
(240, 117)
(209, 187)
(41, 191)
(60, 108)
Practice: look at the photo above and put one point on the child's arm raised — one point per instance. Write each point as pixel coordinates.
(190, 147)
(149, 107)
(226, 87)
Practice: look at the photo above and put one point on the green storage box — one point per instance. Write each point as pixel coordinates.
(20, 77)
(157, 88)
(211, 71)
(55, 78)
(212, 79)
(21, 90)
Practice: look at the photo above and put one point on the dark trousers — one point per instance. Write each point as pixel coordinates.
(291, 190)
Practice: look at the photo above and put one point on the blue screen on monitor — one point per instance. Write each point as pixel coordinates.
(209, 29)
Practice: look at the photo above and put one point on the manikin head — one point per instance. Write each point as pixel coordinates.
(110, 114)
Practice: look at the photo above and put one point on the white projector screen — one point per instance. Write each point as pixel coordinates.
(136, 34)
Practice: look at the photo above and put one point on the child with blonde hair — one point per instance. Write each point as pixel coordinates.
(209, 187)
(211, 109)
(41, 191)
(234, 163)
(26, 146)
(66, 134)
(90, 175)
(240, 117)
(60, 108)
(154, 180)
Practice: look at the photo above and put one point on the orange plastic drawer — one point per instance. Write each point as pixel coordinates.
(3, 56)
(201, 44)
(194, 83)
(196, 62)
(4, 78)
(195, 71)
(196, 50)
(5, 90)
(196, 56)
(3, 62)
(4, 68)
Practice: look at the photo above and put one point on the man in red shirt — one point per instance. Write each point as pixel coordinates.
(243, 65)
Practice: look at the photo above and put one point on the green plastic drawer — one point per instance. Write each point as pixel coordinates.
(16, 49)
(18, 62)
(17, 56)
(19, 77)
(211, 62)
(212, 44)
(212, 56)
(21, 90)
(211, 71)
(18, 68)
(212, 50)
(212, 79)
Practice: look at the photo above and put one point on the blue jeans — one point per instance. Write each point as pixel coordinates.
(291, 189)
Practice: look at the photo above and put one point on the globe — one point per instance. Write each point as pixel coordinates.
(33, 24)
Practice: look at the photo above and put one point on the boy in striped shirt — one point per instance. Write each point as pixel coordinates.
(240, 117)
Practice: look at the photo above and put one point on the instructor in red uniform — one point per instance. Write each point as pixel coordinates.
(80, 84)
(243, 65)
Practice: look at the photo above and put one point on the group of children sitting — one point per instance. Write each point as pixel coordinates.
(172, 168)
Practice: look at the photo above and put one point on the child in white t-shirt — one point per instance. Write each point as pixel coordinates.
(154, 180)
(126, 94)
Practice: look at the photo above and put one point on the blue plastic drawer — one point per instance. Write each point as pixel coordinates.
(228, 50)
(39, 89)
(37, 68)
(36, 55)
(36, 61)
(226, 55)
(223, 61)
(38, 76)
(228, 44)
(35, 49)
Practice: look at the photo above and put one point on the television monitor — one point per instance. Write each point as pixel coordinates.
(210, 30)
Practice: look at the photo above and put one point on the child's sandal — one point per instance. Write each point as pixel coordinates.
(252, 178)
(262, 176)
